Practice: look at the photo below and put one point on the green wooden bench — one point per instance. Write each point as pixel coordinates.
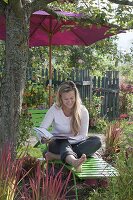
(37, 116)
(93, 168)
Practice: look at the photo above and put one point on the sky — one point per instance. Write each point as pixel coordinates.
(125, 41)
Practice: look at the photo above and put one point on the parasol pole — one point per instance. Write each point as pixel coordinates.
(50, 69)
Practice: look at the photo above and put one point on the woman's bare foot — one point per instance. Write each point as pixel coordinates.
(51, 156)
(48, 156)
(77, 164)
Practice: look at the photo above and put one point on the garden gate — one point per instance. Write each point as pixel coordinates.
(108, 88)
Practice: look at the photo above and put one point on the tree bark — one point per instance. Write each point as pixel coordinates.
(13, 80)
(2, 7)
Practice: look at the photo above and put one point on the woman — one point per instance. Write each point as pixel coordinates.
(68, 116)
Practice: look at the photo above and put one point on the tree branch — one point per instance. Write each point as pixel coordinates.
(122, 2)
(2, 7)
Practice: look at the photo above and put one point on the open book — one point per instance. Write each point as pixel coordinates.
(41, 132)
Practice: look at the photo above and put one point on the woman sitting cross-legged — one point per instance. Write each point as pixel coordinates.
(69, 117)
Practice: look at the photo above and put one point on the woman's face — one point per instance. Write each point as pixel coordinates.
(68, 99)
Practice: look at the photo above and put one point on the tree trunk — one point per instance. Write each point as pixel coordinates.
(14, 74)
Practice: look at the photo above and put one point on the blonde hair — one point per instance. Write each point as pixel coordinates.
(68, 86)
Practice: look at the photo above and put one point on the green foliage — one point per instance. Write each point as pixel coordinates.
(98, 57)
(28, 178)
(118, 14)
(128, 133)
(25, 129)
(93, 106)
(29, 150)
(43, 147)
(103, 55)
(43, 183)
(113, 138)
(120, 187)
(101, 12)
(127, 72)
(9, 173)
(126, 102)
(101, 125)
(35, 94)
(69, 6)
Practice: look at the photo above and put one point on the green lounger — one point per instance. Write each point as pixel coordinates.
(93, 168)
(37, 117)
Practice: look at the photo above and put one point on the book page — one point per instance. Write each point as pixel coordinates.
(42, 132)
(59, 137)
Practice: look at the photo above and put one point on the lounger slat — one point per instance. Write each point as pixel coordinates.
(96, 167)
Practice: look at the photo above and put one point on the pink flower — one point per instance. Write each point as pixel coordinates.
(123, 116)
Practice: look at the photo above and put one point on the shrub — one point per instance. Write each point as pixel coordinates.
(9, 174)
(25, 128)
(29, 178)
(93, 106)
(101, 125)
(113, 139)
(120, 187)
(126, 99)
(96, 122)
(35, 94)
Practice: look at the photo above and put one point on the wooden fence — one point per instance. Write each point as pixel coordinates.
(107, 87)
(81, 78)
